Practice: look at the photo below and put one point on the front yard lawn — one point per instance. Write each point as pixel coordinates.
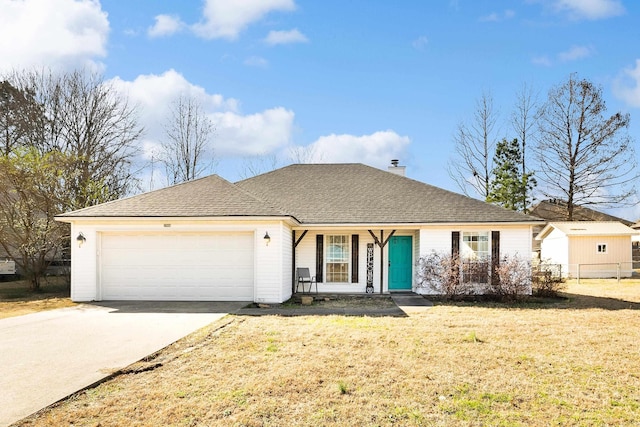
(565, 362)
(16, 299)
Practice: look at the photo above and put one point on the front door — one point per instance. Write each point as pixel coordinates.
(400, 265)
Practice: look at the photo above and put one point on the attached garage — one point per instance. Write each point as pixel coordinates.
(216, 266)
(211, 240)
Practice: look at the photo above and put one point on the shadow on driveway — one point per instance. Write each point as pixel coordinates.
(171, 306)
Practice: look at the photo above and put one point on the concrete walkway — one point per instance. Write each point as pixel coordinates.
(49, 355)
(406, 304)
(411, 303)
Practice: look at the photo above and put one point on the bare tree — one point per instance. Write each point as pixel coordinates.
(18, 113)
(303, 154)
(523, 121)
(259, 164)
(89, 120)
(474, 148)
(585, 157)
(69, 143)
(187, 151)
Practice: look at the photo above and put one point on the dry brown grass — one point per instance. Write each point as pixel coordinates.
(568, 362)
(16, 299)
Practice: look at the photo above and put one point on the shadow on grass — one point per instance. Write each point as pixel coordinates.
(565, 300)
(18, 290)
(319, 311)
(329, 305)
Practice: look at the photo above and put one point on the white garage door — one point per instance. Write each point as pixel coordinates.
(177, 266)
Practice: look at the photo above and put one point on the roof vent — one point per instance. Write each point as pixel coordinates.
(394, 168)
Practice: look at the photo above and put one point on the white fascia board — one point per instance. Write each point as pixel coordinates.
(413, 226)
(93, 219)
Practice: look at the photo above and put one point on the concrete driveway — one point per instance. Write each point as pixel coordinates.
(46, 356)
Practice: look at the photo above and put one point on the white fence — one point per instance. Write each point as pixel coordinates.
(609, 270)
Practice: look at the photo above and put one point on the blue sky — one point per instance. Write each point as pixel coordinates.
(343, 81)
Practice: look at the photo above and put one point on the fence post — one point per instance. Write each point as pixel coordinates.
(618, 273)
(578, 273)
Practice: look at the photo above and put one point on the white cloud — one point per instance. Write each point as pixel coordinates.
(226, 19)
(53, 33)
(155, 92)
(256, 61)
(165, 25)
(375, 149)
(589, 9)
(498, 16)
(153, 95)
(285, 37)
(236, 133)
(420, 43)
(627, 85)
(575, 53)
(254, 134)
(542, 61)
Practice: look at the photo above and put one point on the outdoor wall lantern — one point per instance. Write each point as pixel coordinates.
(80, 239)
(267, 238)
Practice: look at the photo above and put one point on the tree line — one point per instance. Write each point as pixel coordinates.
(564, 147)
(69, 141)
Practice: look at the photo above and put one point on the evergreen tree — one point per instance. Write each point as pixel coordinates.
(509, 186)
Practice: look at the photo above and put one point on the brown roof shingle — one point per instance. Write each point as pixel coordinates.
(556, 210)
(205, 197)
(356, 193)
(313, 194)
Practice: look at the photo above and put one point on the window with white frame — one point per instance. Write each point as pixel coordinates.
(475, 245)
(475, 256)
(601, 248)
(337, 259)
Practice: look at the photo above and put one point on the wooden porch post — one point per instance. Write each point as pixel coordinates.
(294, 244)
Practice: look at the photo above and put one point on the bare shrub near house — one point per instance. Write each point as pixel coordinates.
(514, 279)
(546, 280)
(440, 273)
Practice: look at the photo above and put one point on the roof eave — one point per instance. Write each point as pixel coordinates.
(84, 219)
(411, 225)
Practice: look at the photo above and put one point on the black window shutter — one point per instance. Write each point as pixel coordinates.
(319, 257)
(455, 244)
(495, 256)
(355, 241)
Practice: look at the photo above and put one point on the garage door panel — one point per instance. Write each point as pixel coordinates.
(213, 266)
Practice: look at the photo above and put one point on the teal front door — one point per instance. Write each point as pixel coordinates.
(400, 265)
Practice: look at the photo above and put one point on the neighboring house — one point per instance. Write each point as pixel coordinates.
(588, 249)
(555, 210)
(357, 228)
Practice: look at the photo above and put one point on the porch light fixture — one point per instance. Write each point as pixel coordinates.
(80, 239)
(267, 238)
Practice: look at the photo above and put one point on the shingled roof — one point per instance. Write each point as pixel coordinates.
(312, 194)
(205, 197)
(588, 228)
(556, 210)
(356, 193)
